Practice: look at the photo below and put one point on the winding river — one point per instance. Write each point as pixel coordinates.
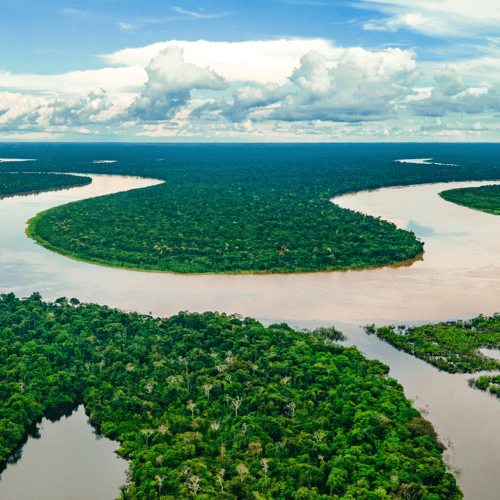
(457, 278)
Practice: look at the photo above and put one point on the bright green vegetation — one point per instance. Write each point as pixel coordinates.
(483, 198)
(207, 405)
(26, 183)
(487, 383)
(451, 346)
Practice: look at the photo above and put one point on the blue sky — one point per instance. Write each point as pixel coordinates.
(278, 70)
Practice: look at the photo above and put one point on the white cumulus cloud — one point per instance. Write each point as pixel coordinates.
(169, 85)
(449, 94)
(361, 87)
(280, 89)
(113, 80)
(246, 100)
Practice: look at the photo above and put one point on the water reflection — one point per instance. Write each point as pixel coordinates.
(64, 460)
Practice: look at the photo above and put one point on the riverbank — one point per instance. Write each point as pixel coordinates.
(25, 184)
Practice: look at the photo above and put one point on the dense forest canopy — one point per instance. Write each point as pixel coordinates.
(243, 208)
(210, 404)
(207, 230)
(27, 183)
(483, 198)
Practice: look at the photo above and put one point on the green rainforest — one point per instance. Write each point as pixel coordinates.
(240, 208)
(483, 198)
(153, 229)
(487, 383)
(28, 183)
(210, 404)
(206, 405)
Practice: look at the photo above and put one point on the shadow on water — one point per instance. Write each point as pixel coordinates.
(33, 431)
(62, 453)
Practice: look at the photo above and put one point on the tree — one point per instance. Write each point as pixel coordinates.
(191, 406)
(207, 388)
(242, 471)
(147, 433)
(220, 476)
(194, 484)
(236, 403)
(160, 480)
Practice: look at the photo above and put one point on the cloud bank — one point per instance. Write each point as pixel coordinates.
(362, 87)
(259, 90)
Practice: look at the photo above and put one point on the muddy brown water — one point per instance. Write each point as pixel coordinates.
(457, 278)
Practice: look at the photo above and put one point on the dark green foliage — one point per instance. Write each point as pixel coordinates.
(451, 346)
(422, 427)
(274, 216)
(330, 333)
(272, 412)
(483, 198)
(244, 208)
(26, 183)
(166, 229)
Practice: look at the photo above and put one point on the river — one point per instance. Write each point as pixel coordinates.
(457, 278)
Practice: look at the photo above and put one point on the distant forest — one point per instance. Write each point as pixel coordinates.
(483, 198)
(243, 208)
(28, 183)
(207, 405)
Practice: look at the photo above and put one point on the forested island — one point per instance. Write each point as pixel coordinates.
(451, 346)
(211, 404)
(483, 198)
(154, 229)
(28, 183)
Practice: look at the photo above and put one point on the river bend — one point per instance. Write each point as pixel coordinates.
(457, 278)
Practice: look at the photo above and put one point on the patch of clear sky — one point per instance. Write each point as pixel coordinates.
(56, 37)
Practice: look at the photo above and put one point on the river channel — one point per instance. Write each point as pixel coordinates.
(457, 278)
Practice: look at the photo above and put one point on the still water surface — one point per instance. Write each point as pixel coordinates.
(67, 462)
(458, 277)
